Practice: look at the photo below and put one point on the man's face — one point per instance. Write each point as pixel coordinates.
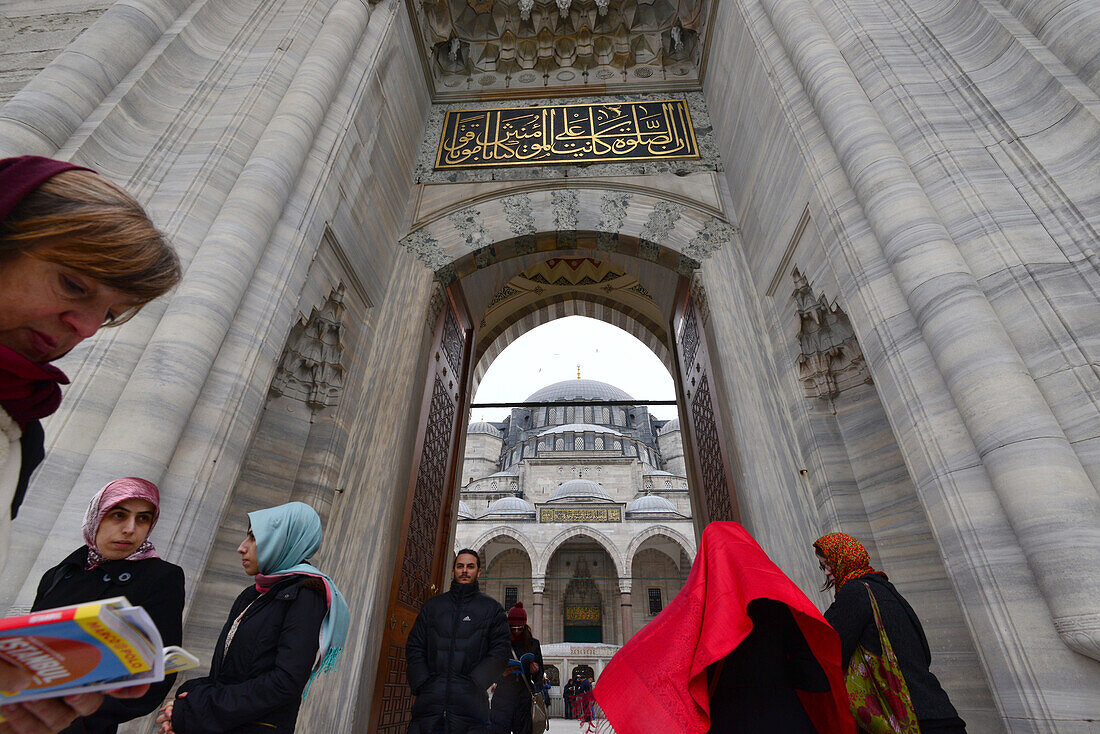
(466, 569)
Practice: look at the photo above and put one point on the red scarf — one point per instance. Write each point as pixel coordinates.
(658, 681)
(28, 390)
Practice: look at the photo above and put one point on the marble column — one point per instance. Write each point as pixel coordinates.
(626, 609)
(1021, 443)
(536, 612)
(176, 363)
(43, 115)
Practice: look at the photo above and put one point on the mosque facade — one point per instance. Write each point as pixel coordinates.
(860, 234)
(582, 513)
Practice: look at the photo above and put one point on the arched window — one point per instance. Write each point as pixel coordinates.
(559, 445)
(578, 444)
(599, 443)
(588, 414)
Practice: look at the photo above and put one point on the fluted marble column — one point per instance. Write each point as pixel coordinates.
(46, 112)
(178, 358)
(1053, 507)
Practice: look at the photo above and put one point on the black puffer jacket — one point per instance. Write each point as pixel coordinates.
(852, 618)
(152, 583)
(257, 687)
(457, 648)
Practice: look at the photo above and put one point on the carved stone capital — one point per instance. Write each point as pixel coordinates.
(1081, 633)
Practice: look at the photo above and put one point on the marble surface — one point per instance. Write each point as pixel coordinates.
(931, 166)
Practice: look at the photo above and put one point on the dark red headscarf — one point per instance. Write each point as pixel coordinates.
(28, 390)
(657, 682)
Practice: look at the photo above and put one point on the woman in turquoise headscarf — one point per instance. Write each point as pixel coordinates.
(281, 633)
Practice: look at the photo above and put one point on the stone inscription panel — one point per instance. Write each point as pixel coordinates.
(573, 133)
(581, 514)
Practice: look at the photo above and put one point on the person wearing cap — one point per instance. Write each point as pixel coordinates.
(511, 706)
(457, 648)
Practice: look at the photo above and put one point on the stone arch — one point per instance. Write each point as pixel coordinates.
(574, 532)
(685, 225)
(493, 533)
(657, 530)
(607, 310)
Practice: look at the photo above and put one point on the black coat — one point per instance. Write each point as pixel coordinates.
(756, 690)
(457, 648)
(852, 618)
(511, 691)
(257, 687)
(153, 584)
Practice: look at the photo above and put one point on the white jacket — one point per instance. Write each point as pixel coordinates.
(11, 457)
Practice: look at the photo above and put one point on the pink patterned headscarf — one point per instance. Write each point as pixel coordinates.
(106, 499)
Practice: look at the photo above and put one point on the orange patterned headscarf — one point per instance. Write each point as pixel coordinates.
(846, 556)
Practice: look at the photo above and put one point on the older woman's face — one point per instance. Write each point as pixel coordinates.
(46, 309)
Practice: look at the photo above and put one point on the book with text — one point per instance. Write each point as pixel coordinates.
(87, 647)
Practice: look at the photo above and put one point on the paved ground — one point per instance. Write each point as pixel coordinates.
(565, 726)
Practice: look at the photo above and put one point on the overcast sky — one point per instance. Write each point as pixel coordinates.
(551, 353)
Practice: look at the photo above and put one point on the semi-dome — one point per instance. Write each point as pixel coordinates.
(580, 428)
(464, 511)
(513, 506)
(484, 427)
(672, 425)
(659, 473)
(651, 504)
(579, 390)
(580, 490)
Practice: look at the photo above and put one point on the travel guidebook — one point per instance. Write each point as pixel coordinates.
(87, 647)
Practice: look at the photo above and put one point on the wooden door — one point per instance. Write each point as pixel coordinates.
(423, 552)
(701, 420)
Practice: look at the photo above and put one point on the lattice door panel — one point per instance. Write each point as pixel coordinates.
(710, 467)
(427, 519)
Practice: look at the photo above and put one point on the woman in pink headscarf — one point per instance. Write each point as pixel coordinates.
(118, 559)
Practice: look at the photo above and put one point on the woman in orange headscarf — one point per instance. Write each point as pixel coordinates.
(847, 568)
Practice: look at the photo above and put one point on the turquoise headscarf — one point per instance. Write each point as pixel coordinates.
(285, 537)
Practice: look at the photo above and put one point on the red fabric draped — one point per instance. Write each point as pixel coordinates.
(658, 681)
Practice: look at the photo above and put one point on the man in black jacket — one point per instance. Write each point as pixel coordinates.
(456, 649)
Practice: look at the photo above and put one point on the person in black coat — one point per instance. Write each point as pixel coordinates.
(510, 711)
(118, 560)
(282, 631)
(847, 569)
(457, 648)
(754, 688)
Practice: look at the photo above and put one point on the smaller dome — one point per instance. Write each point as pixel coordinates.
(580, 428)
(651, 505)
(672, 425)
(580, 490)
(464, 511)
(511, 506)
(659, 473)
(484, 427)
(510, 472)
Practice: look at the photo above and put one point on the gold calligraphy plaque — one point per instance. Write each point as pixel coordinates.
(576, 613)
(575, 133)
(580, 514)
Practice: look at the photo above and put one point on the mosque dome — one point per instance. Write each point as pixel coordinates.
(579, 390)
(511, 506)
(672, 425)
(484, 427)
(659, 473)
(651, 505)
(579, 428)
(464, 511)
(580, 490)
